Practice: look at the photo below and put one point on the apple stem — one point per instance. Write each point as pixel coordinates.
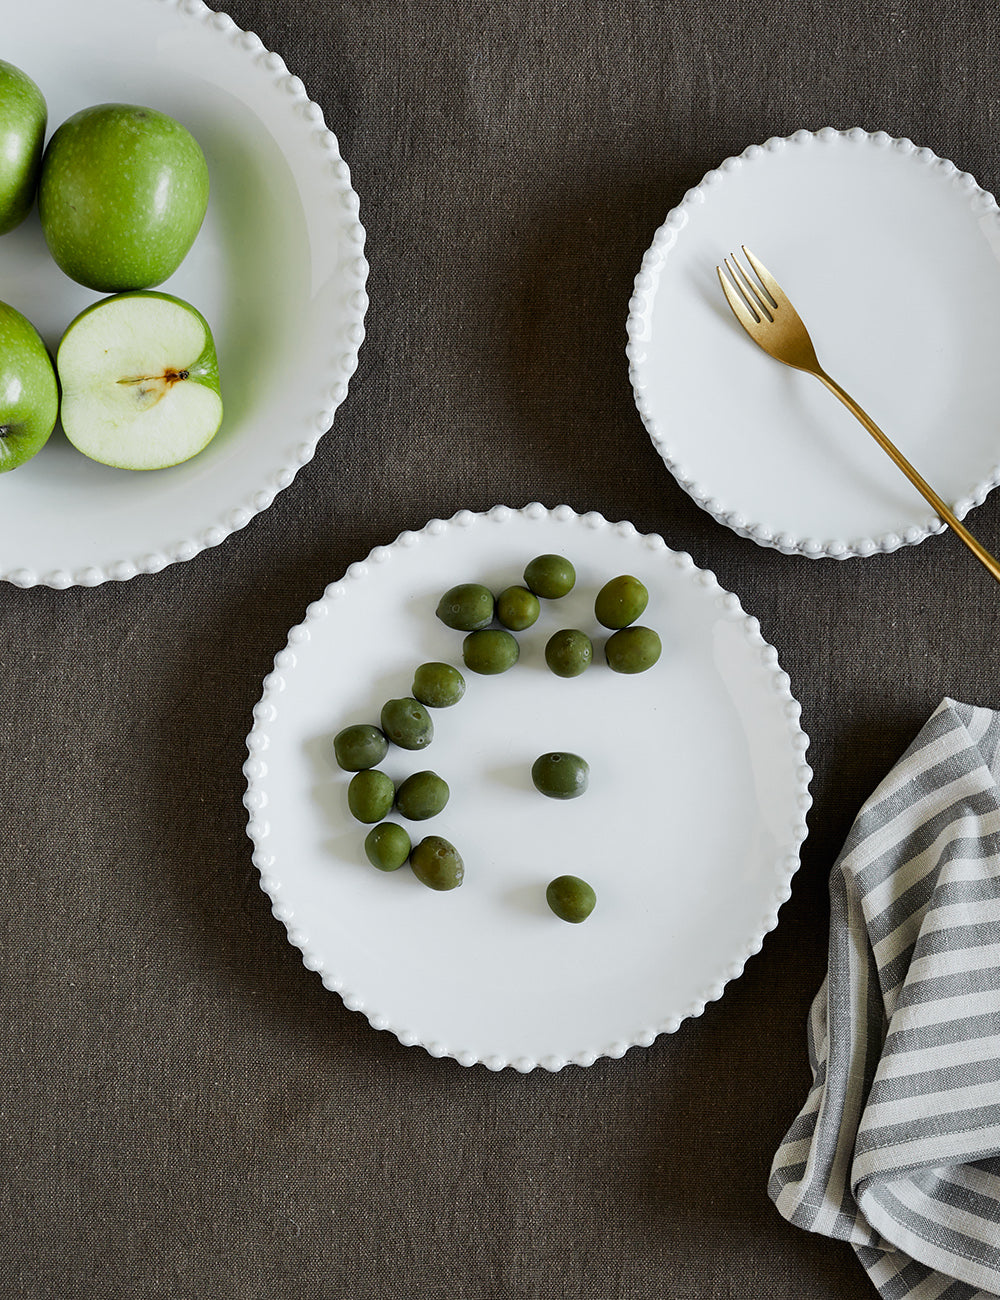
(149, 389)
(170, 376)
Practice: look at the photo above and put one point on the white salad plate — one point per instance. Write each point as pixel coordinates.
(890, 254)
(689, 831)
(277, 269)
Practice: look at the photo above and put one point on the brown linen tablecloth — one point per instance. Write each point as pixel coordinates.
(186, 1112)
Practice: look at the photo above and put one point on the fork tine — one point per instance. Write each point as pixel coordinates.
(765, 303)
(770, 284)
(744, 311)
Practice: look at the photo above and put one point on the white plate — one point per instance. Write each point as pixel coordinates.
(890, 255)
(689, 831)
(278, 270)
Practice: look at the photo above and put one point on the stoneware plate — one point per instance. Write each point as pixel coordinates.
(689, 831)
(278, 270)
(889, 253)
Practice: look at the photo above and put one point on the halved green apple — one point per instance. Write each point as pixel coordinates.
(140, 381)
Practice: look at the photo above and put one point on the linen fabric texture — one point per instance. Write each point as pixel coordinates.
(897, 1148)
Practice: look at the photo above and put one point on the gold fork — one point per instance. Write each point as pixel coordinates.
(762, 307)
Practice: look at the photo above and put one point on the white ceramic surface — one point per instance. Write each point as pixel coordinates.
(890, 254)
(689, 831)
(278, 270)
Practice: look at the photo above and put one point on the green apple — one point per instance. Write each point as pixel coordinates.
(140, 381)
(29, 395)
(122, 195)
(23, 117)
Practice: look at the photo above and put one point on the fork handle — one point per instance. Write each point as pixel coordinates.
(922, 486)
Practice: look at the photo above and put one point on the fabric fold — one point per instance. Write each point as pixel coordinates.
(897, 1147)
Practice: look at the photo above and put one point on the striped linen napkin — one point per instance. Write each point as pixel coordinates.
(897, 1149)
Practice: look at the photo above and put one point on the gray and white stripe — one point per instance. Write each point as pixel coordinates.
(897, 1148)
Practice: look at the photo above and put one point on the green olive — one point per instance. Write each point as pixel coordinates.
(466, 607)
(560, 775)
(421, 795)
(370, 795)
(517, 608)
(490, 650)
(437, 864)
(569, 652)
(571, 898)
(550, 576)
(407, 723)
(359, 746)
(387, 846)
(438, 685)
(620, 601)
(632, 649)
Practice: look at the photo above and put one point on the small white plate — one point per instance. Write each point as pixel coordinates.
(890, 255)
(689, 831)
(277, 269)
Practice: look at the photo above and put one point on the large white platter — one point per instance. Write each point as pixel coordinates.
(278, 270)
(890, 255)
(689, 832)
